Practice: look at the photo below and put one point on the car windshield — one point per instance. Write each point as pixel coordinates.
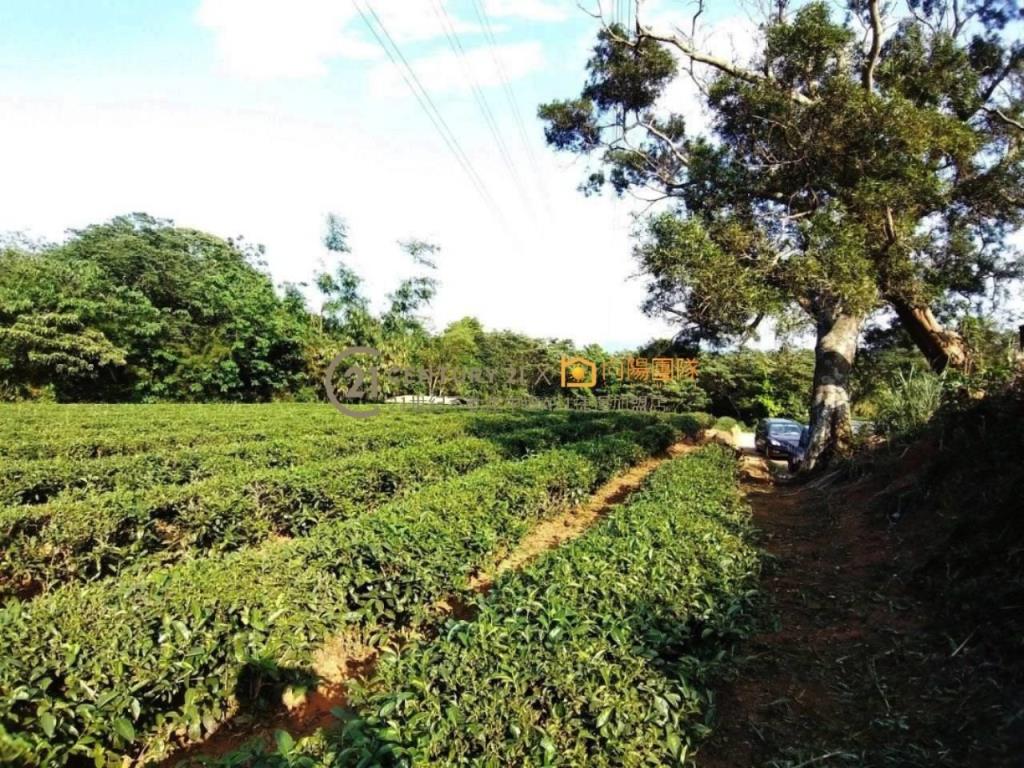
(785, 430)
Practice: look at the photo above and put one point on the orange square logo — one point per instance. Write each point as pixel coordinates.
(578, 372)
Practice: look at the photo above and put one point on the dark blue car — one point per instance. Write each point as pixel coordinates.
(781, 439)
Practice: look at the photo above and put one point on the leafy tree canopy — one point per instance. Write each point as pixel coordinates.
(842, 175)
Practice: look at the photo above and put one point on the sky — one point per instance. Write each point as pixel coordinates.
(256, 118)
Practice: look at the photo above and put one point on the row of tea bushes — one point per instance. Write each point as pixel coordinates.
(598, 655)
(87, 431)
(98, 535)
(601, 653)
(134, 430)
(122, 458)
(37, 481)
(94, 431)
(39, 432)
(178, 644)
(85, 536)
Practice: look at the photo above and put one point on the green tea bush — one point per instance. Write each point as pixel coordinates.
(100, 534)
(90, 432)
(101, 671)
(36, 481)
(601, 653)
(726, 423)
(692, 424)
(598, 654)
(234, 501)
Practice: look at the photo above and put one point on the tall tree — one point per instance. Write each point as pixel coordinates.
(346, 316)
(839, 177)
(152, 311)
(345, 311)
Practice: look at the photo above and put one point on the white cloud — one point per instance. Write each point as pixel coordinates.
(265, 39)
(446, 72)
(410, 21)
(531, 10)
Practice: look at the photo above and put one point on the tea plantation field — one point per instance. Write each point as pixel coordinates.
(165, 568)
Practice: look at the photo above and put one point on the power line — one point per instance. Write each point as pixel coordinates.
(510, 97)
(427, 104)
(450, 32)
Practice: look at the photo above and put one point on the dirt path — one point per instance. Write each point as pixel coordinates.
(840, 673)
(554, 531)
(344, 659)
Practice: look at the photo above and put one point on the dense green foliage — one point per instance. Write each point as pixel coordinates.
(140, 310)
(105, 349)
(889, 360)
(599, 653)
(752, 385)
(137, 309)
(201, 634)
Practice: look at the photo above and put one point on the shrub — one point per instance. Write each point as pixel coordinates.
(726, 423)
(99, 534)
(908, 403)
(93, 517)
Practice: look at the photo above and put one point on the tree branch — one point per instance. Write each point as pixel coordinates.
(649, 203)
(890, 227)
(674, 311)
(1012, 61)
(748, 333)
(714, 62)
(1004, 118)
(650, 128)
(876, 46)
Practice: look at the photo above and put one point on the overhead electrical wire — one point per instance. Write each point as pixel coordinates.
(455, 43)
(510, 97)
(394, 53)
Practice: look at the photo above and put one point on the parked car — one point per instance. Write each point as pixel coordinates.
(796, 457)
(781, 438)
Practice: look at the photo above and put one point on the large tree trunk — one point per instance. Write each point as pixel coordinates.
(834, 354)
(941, 347)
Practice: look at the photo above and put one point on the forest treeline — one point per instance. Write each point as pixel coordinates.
(140, 310)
